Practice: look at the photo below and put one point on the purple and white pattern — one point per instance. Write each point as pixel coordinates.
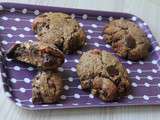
(15, 27)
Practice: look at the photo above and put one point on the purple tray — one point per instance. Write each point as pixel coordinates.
(15, 26)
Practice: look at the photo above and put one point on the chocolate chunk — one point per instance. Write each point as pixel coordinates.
(61, 30)
(102, 74)
(130, 42)
(47, 87)
(39, 54)
(112, 71)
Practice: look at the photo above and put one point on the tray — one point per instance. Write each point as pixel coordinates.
(15, 26)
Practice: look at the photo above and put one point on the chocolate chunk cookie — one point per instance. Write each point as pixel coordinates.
(46, 87)
(59, 29)
(40, 54)
(102, 73)
(127, 39)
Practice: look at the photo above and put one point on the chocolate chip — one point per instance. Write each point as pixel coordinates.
(50, 83)
(34, 51)
(112, 71)
(48, 58)
(37, 97)
(47, 26)
(117, 81)
(130, 42)
(90, 83)
(104, 93)
(44, 24)
(122, 88)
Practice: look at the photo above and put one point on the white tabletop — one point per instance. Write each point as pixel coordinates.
(148, 10)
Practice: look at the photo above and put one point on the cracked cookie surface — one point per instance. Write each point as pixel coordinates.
(102, 73)
(59, 29)
(46, 87)
(127, 39)
(41, 55)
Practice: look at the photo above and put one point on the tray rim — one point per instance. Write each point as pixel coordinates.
(86, 11)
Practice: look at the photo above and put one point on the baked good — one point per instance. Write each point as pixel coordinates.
(59, 29)
(39, 54)
(102, 73)
(46, 87)
(127, 39)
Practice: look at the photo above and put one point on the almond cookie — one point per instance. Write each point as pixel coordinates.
(59, 29)
(39, 54)
(46, 87)
(102, 73)
(127, 39)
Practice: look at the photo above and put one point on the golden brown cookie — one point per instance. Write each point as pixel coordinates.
(102, 73)
(46, 87)
(127, 39)
(59, 29)
(39, 54)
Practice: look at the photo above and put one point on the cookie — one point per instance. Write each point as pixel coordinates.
(46, 87)
(127, 39)
(59, 29)
(102, 73)
(39, 54)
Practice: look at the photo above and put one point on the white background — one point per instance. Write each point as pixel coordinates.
(148, 10)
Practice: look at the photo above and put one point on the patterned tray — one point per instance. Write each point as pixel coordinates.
(15, 27)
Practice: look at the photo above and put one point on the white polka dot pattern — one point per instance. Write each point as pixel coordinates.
(139, 70)
(27, 80)
(134, 18)
(17, 68)
(91, 96)
(27, 29)
(70, 79)
(73, 69)
(99, 18)
(31, 20)
(1, 7)
(2, 28)
(88, 37)
(12, 10)
(36, 12)
(79, 87)
(66, 87)
(73, 16)
(63, 97)
(9, 35)
(149, 35)
(85, 16)
(145, 97)
(18, 104)
(13, 80)
(24, 11)
(22, 90)
(17, 19)
(18, 42)
(130, 97)
(81, 24)
(13, 28)
(30, 68)
(100, 37)
(110, 18)
(147, 84)
(60, 69)
(4, 18)
(142, 78)
(76, 96)
(94, 25)
(158, 96)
